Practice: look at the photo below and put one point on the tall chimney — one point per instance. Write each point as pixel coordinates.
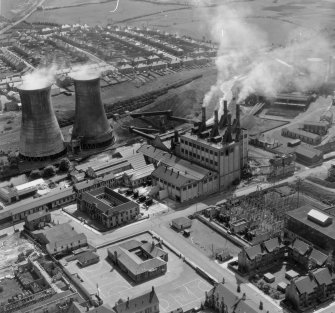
(228, 137)
(90, 122)
(40, 136)
(216, 117)
(203, 118)
(223, 120)
(215, 128)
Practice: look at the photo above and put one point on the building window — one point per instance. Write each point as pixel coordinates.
(215, 153)
(210, 152)
(202, 149)
(182, 150)
(216, 163)
(227, 152)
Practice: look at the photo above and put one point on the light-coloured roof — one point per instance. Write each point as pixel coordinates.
(30, 184)
(318, 216)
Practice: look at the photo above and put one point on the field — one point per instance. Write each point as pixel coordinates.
(10, 288)
(208, 241)
(179, 287)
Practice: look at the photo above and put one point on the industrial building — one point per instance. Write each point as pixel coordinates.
(206, 160)
(139, 261)
(40, 136)
(295, 100)
(308, 155)
(312, 225)
(91, 128)
(319, 128)
(108, 207)
(60, 239)
(305, 136)
(37, 220)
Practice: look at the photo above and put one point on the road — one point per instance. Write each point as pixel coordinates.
(33, 9)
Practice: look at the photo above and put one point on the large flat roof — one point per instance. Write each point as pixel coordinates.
(301, 215)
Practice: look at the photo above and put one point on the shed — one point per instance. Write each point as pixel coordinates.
(269, 278)
(291, 274)
(181, 223)
(282, 286)
(88, 258)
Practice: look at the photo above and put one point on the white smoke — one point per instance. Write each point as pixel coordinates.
(40, 78)
(85, 72)
(245, 50)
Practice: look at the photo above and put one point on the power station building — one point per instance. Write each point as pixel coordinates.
(91, 128)
(206, 160)
(40, 137)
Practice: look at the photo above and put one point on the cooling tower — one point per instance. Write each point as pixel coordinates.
(90, 125)
(40, 136)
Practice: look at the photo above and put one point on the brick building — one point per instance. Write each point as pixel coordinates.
(37, 220)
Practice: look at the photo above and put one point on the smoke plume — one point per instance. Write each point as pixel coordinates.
(248, 58)
(40, 78)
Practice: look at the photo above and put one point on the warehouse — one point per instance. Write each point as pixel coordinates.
(295, 133)
(319, 128)
(181, 223)
(308, 155)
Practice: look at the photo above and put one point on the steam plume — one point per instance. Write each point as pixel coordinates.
(40, 78)
(85, 72)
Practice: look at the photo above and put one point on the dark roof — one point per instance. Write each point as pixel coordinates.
(300, 216)
(272, 244)
(181, 220)
(253, 251)
(36, 215)
(131, 244)
(300, 246)
(153, 250)
(233, 303)
(87, 256)
(323, 276)
(77, 308)
(305, 284)
(308, 151)
(137, 304)
(318, 257)
(302, 132)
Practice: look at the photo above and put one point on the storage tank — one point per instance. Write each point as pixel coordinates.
(40, 136)
(91, 124)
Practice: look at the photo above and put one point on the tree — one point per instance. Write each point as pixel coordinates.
(64, 165)
(35, 174)
(49, 171)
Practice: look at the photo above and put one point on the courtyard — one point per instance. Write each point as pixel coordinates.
(180, 287)
(208, 241)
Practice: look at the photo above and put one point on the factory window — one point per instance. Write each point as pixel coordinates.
(216, 163)
(215, 153)
(189, 186)
(198, 156)
(198, 147)
(182, 150)
(206, 150)
(205, 181)
(211, 161)
(227, 152)
(195, 185)
(184, 188)
(182, 140)
(245, 136)
(194, 155)
(210, 152)
(178, 188)
(222, 153)
(186, 143)
(231, 150)
(206, 160)
(202, 148)
(202, 158)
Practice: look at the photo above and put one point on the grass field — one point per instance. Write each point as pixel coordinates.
(179, 287)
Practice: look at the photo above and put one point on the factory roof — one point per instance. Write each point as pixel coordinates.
(86, 256)
(26, 205)
(36, 215)
(292, 96)
(319, 217)
(316, 123)
(302, 133)
(92, 182)
(30, 184)
(300, 215)
(318, 257)
(308, 151)
(205, 142)
(141, 173)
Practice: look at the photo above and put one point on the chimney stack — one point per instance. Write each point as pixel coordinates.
(223, 120)
(228, 138)
(203, 119)
(215, 128)
(216, 117)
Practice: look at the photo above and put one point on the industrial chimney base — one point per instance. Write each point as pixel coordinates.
(45, 158)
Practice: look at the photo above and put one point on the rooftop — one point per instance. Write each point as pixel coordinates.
(37, 215)
(301, 215)
(302, 132)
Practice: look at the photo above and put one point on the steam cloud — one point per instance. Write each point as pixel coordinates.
(40, 78)
(85, 72)
(246, 56)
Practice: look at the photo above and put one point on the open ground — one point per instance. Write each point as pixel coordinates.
(181, 286)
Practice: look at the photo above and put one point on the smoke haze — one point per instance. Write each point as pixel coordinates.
(245, 50)
(85, 72)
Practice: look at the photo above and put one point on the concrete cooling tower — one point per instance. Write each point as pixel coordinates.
(90, 125)
(40, 137)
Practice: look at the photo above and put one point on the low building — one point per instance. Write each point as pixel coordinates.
(139, 261)
(135, 178)
(181, 223)
(296, 133)
(108, 207)
(319, 128)
(311, 225)
(146, 303)
(87, 258)
(306, 292)
(222, 299)
(37, 220)
(60, 239)
(308, 155)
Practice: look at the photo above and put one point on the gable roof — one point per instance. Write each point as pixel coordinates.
(305, 284)
(300, 246)
(323, 276)
(86, 256)
(137, 304)
(318, 257)
(36, 215)
(233, 303)
(253, 251)
(271, 244)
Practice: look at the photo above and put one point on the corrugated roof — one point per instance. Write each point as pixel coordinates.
(323, 276)
(319, 216)
(302, 133)
(308, 151)
(318, 257)
(37, 215)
